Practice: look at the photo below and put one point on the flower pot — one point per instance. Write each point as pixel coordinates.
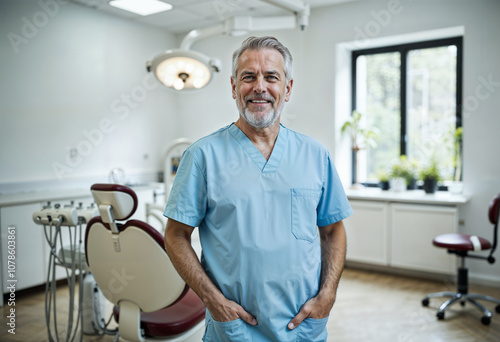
(384, 185)
(398, 184)
(430, 186)
(412, 184)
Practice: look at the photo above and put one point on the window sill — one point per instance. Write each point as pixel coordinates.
(409, 196)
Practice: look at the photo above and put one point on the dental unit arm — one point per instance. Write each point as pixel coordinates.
(62, 227)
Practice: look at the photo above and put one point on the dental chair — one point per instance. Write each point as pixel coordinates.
(133, 271)
(462, 245)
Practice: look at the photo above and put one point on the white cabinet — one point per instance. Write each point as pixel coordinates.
(413, 228)
(367, 233)
(30, 266)
(400, 235)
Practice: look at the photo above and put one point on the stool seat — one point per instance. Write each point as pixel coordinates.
(461, 242)
(465, 246)
(173, 320)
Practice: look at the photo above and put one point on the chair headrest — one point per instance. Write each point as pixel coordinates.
(121, 198)
(494, 209)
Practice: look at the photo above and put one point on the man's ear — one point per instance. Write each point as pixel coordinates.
(233, 87)
(288, 90)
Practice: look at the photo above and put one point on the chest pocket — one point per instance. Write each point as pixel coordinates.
(304, 215)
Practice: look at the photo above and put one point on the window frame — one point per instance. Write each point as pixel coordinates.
(404, 49)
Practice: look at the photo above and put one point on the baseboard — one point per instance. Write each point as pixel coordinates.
(399, 271)
(474, 279)
(479, 279)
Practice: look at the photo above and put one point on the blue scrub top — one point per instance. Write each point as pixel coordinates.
(258, 222)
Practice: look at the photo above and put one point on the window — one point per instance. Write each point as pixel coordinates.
(411, 94)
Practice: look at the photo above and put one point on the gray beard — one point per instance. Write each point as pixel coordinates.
(260, 122)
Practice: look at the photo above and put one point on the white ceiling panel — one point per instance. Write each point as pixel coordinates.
(169, 20)
(188, 15)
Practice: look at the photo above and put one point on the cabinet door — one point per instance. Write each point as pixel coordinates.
(30, 267)
(413, 229)
(367, 232)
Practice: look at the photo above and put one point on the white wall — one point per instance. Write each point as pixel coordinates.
(313, 111)
(75, 78)
(68, 76)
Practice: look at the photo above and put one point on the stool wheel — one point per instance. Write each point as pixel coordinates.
(440, 315)
(497, 309)
(425, 302)
(485, 320)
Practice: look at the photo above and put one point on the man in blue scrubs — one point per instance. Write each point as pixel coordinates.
(269, 206)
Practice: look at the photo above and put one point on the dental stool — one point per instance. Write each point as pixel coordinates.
(461, 245)
(133, 271)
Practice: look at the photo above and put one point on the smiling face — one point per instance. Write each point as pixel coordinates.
(260, 88)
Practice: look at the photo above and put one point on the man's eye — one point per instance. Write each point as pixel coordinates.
(272, 78)
(247, 78)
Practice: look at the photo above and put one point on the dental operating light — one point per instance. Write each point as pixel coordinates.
(184, 70)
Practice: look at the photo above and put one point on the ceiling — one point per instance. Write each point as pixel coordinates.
(188, 15)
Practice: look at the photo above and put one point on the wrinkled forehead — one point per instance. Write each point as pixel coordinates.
(266, 59)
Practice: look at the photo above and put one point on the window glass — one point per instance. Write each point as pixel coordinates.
(431, 105)
(377, 98)
(410, 94)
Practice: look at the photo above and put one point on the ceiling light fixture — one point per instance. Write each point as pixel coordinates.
(141, 7)
(183, 69)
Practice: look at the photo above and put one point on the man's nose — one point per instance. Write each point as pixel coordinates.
(260, 85)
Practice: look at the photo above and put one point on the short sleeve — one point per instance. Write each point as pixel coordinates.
(333, 205)
(187, 200)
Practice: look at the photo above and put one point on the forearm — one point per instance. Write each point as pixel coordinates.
(185, 260)
(333, 252)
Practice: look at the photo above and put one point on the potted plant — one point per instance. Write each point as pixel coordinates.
(430, 175)
(410, 171)
(384, 181)
(404, 174)
(361, 138)
(397, 180)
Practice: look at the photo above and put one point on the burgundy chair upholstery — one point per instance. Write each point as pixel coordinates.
(461, 242)
(462, 245)
(134, 272)
(172, 320)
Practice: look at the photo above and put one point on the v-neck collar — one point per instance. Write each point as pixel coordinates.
(264, 165)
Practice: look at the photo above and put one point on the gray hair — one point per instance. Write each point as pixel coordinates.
(256, 43)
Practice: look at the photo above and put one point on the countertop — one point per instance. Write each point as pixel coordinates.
(26, 197)
(409, 196)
